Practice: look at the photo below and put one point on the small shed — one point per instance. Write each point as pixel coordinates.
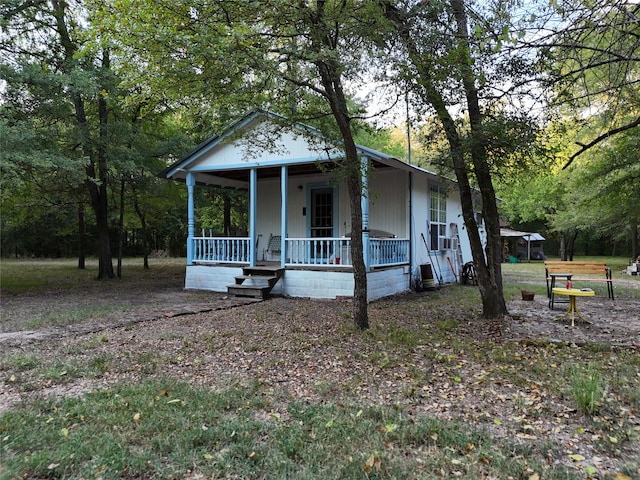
(519, 245)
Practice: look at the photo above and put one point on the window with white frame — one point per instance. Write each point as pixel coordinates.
(437, 216)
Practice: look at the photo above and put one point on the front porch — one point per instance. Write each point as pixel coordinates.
(329, 252)
(313, 267)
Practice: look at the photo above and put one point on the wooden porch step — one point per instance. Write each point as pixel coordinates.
(252, 291)
(255, 282)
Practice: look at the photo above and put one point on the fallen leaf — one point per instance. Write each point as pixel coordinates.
(576, 457)
(621, 476)
(372, 462)
(136, 417)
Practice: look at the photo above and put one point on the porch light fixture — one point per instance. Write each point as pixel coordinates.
(300, 187)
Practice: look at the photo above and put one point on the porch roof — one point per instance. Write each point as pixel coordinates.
(236, 175)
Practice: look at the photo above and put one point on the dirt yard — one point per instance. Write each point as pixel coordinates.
(614, 322)
(309, 349)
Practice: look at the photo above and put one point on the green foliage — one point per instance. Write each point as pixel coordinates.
(587, 386)
(383, 140)
(59, 148)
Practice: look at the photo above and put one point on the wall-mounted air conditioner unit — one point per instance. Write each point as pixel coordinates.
(444, 243)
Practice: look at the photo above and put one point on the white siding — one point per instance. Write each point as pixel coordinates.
(267, 144)
(388, 202)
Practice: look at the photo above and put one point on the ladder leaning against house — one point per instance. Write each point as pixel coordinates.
(457, 251)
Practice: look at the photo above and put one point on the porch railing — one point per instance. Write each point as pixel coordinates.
(319, 251)
(388, 251)
(334, 252)
(221, 249)
(337, 251)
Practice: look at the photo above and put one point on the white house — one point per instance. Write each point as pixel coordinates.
(298, 242)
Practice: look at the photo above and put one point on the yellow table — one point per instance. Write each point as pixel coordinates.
(572, 293)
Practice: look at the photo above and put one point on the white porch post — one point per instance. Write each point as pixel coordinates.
(365, 212)
(253, 201)
(284, 177)
(190, 181)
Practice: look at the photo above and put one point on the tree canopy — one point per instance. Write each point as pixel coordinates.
(536, 102)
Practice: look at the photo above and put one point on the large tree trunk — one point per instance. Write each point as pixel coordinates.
(491, 288)
(99, 192)
(96, 184)
(488, 267)
(360, 301)
(81, 238)
(354, 182)
(330, 77)
(571, 245)
(146, 243)
(120, 231)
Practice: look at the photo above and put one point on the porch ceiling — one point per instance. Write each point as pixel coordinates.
(239, 178)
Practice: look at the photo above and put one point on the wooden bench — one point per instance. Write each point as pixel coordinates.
(576, 271)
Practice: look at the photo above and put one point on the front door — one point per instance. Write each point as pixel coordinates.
(322, 221)
(322, 212)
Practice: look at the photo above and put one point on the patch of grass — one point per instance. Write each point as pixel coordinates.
(160, 429)
(446, 325)
(403, 337)
(33, 275)
(19, 276)
(19, 361)
(62, 371)
(96, 341)
(148, 362)
(587, 386)
(98, 365)
(75, 314)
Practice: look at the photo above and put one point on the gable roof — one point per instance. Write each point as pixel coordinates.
(224, 160)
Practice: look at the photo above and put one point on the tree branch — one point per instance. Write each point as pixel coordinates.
(595, 141)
